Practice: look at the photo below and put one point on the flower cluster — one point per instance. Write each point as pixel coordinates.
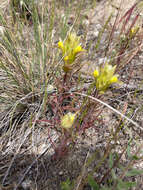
(70, 48)
(68, 120)
(104, 77)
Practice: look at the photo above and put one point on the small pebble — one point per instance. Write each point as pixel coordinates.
(61, 173)
(26, 184)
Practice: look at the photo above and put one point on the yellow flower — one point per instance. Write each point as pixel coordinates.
(104, 77)
(96, 73)
(133, 31)
(61, 45)
(68, 120)
(66, 58)
(78, 49)
(70, 48)
(114, 79)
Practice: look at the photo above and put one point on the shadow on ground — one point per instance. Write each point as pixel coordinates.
(31, 172)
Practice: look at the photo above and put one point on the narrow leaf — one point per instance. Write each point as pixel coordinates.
(92, 183)
(134, 172)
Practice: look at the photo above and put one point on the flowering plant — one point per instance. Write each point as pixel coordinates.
(104, 77)
(68, 120)
(70, 48)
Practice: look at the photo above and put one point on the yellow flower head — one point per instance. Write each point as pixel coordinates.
(60, 45)
(133, 31)
(70, 48)
(114, 79)
(104, 77)
(78, 49)
(96, 73)
(68, 120)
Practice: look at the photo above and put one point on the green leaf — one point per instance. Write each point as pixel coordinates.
(113, 174)
(67, 185)
(110, 160)
(134, 172)
(129, 150)
(92, 183)
(125, 185)
(105, 188)
(135, 157)
(131, 156)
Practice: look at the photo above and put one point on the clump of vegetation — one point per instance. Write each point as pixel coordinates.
(43, 85)
(21, 8)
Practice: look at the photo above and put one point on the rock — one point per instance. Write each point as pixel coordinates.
(26, 184)
(61, 173)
